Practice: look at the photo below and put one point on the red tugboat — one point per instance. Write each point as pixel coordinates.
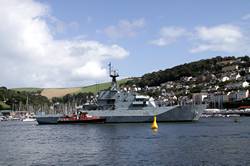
(80, 118)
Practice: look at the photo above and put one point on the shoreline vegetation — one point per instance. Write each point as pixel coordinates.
(41, 98)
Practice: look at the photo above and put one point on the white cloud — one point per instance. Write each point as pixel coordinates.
(169, 35)
(91, 69)
(227, 38)
(31, 56)
(124, 28)
(58, 26)
(246, 17)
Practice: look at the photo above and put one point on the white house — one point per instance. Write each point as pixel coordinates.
(237, 76)
(224, 79)
(245, 84)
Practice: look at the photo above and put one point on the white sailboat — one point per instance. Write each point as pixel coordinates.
(28, 117)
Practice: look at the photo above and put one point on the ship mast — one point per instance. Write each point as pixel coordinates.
(113, 74)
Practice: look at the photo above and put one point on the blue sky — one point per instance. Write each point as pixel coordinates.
(157, 14)
(136, 36)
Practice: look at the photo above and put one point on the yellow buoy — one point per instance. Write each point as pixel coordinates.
(154, 124)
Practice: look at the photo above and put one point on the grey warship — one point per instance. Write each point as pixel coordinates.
(118, 106)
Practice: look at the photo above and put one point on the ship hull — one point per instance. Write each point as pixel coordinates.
(186, 113)
(101, 120)
(58, 119)
(164, 114)
(48, 119)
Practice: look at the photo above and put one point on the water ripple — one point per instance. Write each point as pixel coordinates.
(209, 142)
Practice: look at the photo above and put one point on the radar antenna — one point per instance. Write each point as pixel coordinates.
(113, 74)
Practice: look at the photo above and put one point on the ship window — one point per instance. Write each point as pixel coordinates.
(110, 101)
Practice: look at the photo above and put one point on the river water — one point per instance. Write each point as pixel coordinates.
(211, 141)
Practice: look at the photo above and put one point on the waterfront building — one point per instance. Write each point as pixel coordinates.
(199, 98)
(217, 100)
(238, 95)
(242, 94)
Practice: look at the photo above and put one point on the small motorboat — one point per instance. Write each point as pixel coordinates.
(29, 119)
(80, 118)
(3, 118)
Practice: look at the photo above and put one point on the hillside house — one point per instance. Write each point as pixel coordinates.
(238, 76)
(237, 85)
(226, 62)
(247, 70)
(186, 79)
(247, 77)
(225, 78)
(168, 85)
(230, 68)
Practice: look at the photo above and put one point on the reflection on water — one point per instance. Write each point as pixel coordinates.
(154, 131)
(214, 141)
